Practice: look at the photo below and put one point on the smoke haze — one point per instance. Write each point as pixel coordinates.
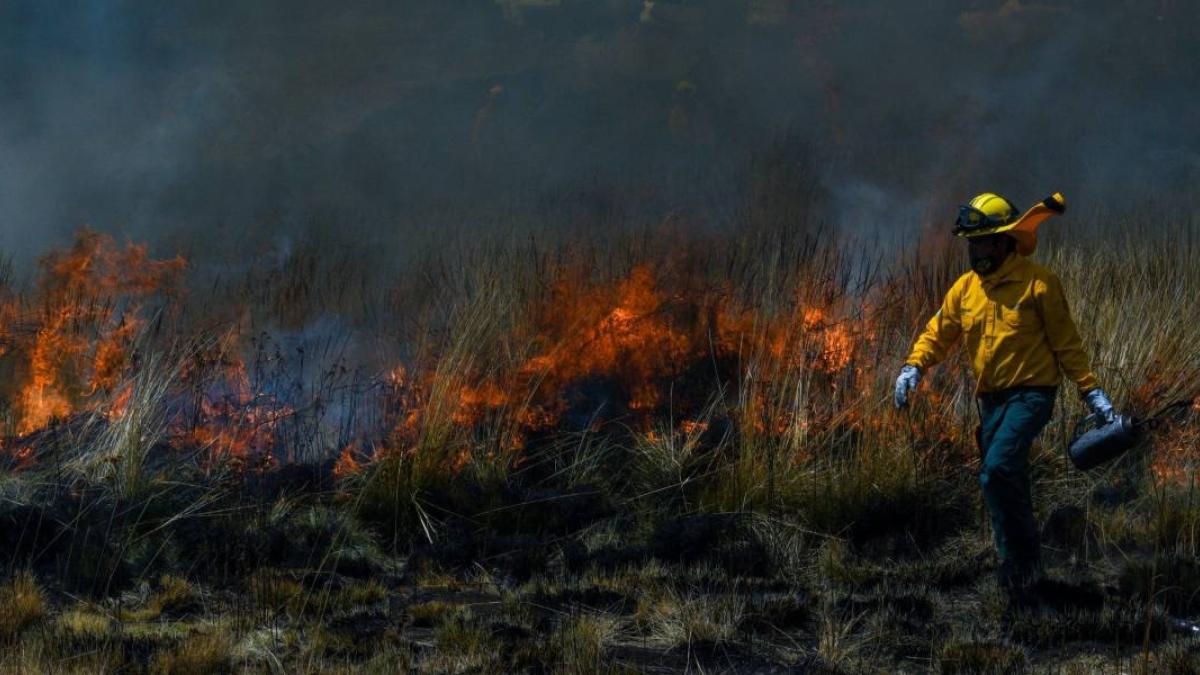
(209, 127)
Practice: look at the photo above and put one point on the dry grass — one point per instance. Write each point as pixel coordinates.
(430, 613)
(681, 620)
(173, 598)
(464, 644)
(838, 638)
(22, 605)
(980, 657)
(198, 654)
(578, 644)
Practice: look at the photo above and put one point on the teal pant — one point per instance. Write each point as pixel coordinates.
(1009, 420)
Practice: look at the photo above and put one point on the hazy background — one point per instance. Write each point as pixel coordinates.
(222, 128)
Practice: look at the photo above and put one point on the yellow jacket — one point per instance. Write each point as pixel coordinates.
(1017, 327)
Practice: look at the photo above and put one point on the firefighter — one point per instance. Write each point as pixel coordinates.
(1018, 333)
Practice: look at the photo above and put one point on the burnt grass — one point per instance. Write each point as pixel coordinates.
(549, 575)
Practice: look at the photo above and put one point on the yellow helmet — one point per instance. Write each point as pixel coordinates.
(989, 213)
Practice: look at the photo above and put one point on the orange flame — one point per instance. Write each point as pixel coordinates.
(83, 318)
(639, 336)
(348, 463)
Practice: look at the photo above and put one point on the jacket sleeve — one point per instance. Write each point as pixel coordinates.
(1063, 337)
(940, 333)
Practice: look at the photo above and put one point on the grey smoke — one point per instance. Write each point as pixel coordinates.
(212, 127)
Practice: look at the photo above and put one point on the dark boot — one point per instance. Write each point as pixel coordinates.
(1020, 581)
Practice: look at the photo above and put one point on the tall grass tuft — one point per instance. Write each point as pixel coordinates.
(22, 605)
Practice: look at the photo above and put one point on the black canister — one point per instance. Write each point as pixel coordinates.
(1104, 443)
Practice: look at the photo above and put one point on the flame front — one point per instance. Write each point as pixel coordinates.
(660, 352)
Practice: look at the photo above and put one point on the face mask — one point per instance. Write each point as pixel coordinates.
(984, 264)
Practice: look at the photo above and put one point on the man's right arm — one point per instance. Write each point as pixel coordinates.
(940, 333)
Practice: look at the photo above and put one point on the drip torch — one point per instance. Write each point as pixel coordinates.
(1102, 443)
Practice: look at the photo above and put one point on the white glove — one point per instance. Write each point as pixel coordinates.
(910, 377)
(1097, 401)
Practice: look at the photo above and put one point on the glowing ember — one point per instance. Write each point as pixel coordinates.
(234, 422)
(120, 402)
(1176, 456)
(348, 463)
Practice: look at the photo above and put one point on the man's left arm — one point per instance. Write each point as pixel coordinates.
(1063, 338)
